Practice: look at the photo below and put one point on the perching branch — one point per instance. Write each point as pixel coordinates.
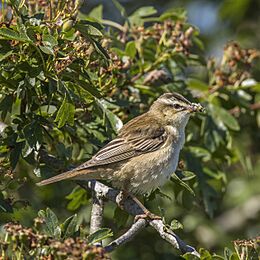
(131, 207)
(96, 212)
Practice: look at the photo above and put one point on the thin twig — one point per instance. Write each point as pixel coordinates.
(172, 238)
(127, 236)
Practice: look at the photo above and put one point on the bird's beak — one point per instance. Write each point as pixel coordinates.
(195, 107)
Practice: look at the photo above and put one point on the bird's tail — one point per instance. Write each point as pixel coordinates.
(63, 176)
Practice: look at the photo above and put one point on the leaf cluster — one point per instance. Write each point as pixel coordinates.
(49, 239)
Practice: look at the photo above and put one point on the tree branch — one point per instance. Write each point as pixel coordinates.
(96, 212)
(131, 207)
(127, 236)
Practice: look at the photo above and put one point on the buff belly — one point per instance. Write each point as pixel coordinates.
(147, 172)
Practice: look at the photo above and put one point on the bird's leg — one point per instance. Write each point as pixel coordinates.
(123, 195)
(146, 213)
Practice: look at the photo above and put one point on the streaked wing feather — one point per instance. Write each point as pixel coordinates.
(126, 147)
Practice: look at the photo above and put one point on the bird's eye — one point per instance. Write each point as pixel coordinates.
(177, 106)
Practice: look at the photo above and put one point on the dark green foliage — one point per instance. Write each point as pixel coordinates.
(68, 84)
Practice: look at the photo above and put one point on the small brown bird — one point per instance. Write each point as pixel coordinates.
(146, 151)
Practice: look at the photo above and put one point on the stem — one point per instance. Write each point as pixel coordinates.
(3, 10)
(114, 24)
(39, 52)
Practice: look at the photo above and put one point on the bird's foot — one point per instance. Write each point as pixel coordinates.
(147, 216)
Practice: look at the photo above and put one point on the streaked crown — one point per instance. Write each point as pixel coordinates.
(176, 103)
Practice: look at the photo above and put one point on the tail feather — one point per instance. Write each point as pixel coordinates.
(60, 177)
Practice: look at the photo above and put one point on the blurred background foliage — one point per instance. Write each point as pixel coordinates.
(73, 72)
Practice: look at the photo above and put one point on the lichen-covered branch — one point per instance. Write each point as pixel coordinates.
(96, 213)
(134, 209)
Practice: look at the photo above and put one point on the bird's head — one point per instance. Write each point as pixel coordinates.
(174, 108)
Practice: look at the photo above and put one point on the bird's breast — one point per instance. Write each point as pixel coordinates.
(149, 171)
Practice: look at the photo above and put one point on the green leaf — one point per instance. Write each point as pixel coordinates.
(229, 120)
(176, 179)
(120, 8)
(235, 256)
(49, 40)
(199, 43)
(65, 113)
(16, 153)
(188, 175)
(69, 226)
(6, 105)
(224, 116)
(176, 14)
(89, 28)
(175, 224)
(190, 256)
(144, 12)
(100, 49)
(204, 255)
(89, 87)
(5, 55)
(136, 17)
(99, 235)
(77, 197)
(5, 206)
(21, 4)
(9, 34)
(200, 152)
(130, 49)
(113, 120)
(197, 85)
(159, 193)
(33, 134)
(51, 224)
(97, 12)
(47, 50)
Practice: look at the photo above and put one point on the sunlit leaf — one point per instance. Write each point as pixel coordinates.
(9, 34)
(225, 117)
(198, 85)
(130, 49)
(77, 197)
(65, 113)
(97, 12)
(175, 224)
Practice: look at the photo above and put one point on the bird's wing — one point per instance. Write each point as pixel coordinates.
(141, 135)
(127, 145)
